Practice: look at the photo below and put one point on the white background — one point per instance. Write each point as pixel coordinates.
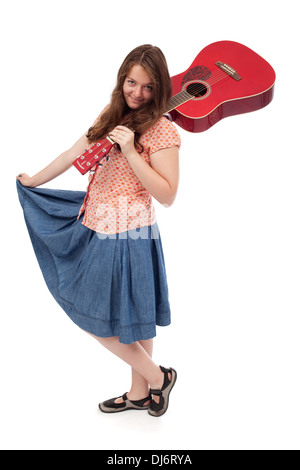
(231, 240)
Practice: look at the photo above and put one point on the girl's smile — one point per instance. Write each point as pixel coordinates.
(137, 88)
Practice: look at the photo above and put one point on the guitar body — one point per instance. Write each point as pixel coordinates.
(241, 82)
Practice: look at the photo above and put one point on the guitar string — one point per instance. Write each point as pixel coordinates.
(202, 86)
(198, 87)
(219, 75)
(212, 80)
(215, 78)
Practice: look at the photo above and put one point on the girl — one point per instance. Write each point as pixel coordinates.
(100, 252)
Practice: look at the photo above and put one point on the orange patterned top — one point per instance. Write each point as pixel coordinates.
(116, 201)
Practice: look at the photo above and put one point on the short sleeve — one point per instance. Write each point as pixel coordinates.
(165, 135)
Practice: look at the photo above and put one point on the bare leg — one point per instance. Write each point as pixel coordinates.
(144, 371)
(140, 386)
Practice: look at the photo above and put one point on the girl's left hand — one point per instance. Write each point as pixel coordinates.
(125, 138)
(25, 180)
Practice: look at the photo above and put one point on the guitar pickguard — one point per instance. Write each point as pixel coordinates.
(200, 72)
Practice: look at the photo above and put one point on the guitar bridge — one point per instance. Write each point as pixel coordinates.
(229, 70)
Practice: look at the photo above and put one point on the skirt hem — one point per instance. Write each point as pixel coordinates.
(126, 334)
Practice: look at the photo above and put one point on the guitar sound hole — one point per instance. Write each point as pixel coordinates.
(197, 89)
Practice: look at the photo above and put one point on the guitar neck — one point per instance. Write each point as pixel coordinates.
(177, 100)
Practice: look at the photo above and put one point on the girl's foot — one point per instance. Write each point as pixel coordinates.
(160, 402)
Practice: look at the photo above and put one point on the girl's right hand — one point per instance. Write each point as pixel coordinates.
(25, 180)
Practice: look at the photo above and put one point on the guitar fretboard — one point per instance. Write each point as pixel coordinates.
(178, 99)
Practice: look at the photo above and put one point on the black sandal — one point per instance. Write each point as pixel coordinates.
(109, 406)
(158, 409)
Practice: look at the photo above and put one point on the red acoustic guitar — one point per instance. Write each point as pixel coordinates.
(226, 78)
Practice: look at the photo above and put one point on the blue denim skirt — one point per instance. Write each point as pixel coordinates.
(109, 286)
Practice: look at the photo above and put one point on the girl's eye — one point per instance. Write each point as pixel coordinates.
(149, 88)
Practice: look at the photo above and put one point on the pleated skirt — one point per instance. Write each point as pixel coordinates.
(108, 286)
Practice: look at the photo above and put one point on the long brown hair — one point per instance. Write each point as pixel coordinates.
(141, 119)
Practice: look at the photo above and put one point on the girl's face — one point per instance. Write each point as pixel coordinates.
(137, 88)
